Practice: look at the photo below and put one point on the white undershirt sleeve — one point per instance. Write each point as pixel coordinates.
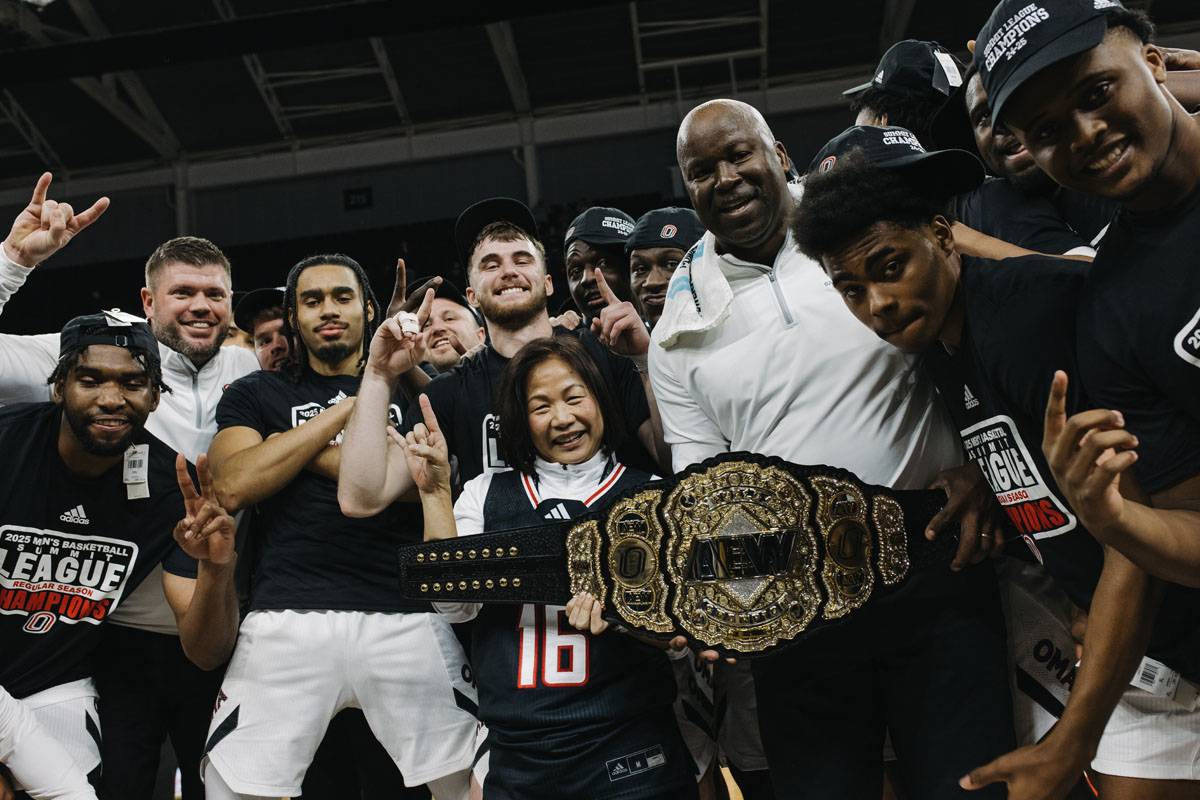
(468, 519)
(25, 361)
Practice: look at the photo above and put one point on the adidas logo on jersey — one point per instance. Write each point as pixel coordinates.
(969, 399)
(339, 397)
(558, 512)
(619, 769)
(76, 515)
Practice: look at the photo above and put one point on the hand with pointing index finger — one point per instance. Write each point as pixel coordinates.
(1087, 454)
(206, 532)
(426, 452)
(619, 325)
(45, 226)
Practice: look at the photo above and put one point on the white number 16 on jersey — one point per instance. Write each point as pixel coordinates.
(563, 657)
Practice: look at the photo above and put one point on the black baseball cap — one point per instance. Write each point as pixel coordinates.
(115, 328)
(484, 213)
(253, 302)
(665, 227)
(915, 69)
(1022, 38)
(600, 225)
(954, 171)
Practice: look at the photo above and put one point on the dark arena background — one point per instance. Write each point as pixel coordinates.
(281, 128)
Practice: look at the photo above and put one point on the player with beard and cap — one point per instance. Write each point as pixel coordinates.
(657, 244)
(323, 602)
(595, 245)
(509, 285)
(187, 302)
(89, 516)
(991, 334)
(744, 295)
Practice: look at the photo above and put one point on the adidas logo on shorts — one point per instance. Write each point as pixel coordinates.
(76, 515)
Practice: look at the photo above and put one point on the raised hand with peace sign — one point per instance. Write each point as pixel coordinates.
(206, 532)
(45, 226)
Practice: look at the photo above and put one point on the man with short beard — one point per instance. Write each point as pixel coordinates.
(153, 690)
(326, 629)
(86, 518)
(509, 284)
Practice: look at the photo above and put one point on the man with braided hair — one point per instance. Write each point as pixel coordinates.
(326, 629)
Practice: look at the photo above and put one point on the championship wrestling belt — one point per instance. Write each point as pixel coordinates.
(740, 553)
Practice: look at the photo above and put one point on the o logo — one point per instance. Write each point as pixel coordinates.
(827, 164)
(668, 232)
(39, 622)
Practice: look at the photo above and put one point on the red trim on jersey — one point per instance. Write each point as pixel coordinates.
(530, 490)
(608, 484)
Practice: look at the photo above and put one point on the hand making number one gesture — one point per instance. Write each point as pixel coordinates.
(45, 226)
(425, 451)
(206, 531)
(619, 326)
(1087, 453)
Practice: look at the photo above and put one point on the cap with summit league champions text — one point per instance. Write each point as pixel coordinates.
(600, 225)
(1021, 38)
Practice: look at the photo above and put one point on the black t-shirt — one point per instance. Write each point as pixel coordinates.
(1139, 337)
(312, 556)
(72, 548)
(999, 209)
(1087, 214)
(1020, 323)
(462, 401)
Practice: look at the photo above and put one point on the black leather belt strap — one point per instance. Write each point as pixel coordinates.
(741, 553)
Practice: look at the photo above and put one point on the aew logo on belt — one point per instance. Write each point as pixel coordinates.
(1013, 475)
(49, 576)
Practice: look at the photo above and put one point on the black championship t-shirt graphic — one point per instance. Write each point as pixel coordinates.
(52, 577)
(312, 556)
(1031, 506)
